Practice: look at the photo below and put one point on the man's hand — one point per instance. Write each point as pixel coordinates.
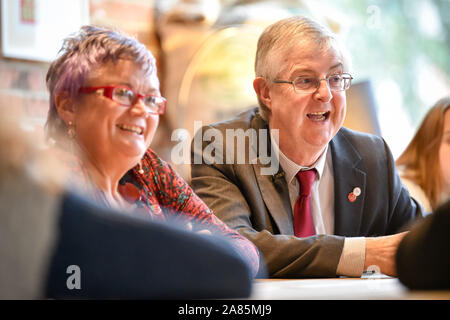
(380, 251)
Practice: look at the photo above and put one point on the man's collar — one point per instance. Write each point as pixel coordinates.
(291, 168)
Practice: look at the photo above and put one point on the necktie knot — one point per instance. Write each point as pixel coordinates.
(306, 180)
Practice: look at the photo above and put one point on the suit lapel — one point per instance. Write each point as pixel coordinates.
(275, 193)
(273, 187)
(347, 176)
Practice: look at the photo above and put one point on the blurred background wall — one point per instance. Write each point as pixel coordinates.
(205, 51)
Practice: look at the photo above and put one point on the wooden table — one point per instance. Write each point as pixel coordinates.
(365, 288)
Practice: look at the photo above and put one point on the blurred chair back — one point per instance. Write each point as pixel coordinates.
(362, 109)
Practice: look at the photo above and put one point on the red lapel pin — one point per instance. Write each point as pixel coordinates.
(354, 194)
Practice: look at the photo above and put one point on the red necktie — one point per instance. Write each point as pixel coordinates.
(303, 222)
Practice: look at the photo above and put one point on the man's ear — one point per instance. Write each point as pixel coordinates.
(262, 89)
(65, 107)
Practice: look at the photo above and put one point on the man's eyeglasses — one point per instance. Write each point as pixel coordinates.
(307, 84)
(128, 97)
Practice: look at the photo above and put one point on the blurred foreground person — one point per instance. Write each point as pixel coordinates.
(423, 260)
(425, 163)
(56, 244)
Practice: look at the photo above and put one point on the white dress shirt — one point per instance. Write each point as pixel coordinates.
(351, 262)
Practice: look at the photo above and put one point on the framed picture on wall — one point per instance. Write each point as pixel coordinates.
(34, 29)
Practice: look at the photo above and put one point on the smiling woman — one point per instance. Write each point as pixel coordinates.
(105, 104)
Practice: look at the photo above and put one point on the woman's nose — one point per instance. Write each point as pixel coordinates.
(139, 107)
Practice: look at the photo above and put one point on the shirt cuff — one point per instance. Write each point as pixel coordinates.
(351, 262)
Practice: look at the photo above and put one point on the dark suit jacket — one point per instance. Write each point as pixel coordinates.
(258, 205)
(423, 259)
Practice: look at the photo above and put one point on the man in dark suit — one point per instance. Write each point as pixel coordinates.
(349, 219)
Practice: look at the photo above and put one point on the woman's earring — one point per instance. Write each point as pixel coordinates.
(71, 130)
(141, 171)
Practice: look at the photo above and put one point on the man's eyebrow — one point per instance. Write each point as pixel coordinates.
(337, 65)
(307, 70)
(303, 70)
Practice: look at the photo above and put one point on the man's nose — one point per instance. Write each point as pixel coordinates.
(323, 92)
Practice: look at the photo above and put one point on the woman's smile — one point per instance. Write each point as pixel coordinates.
(131, 128)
